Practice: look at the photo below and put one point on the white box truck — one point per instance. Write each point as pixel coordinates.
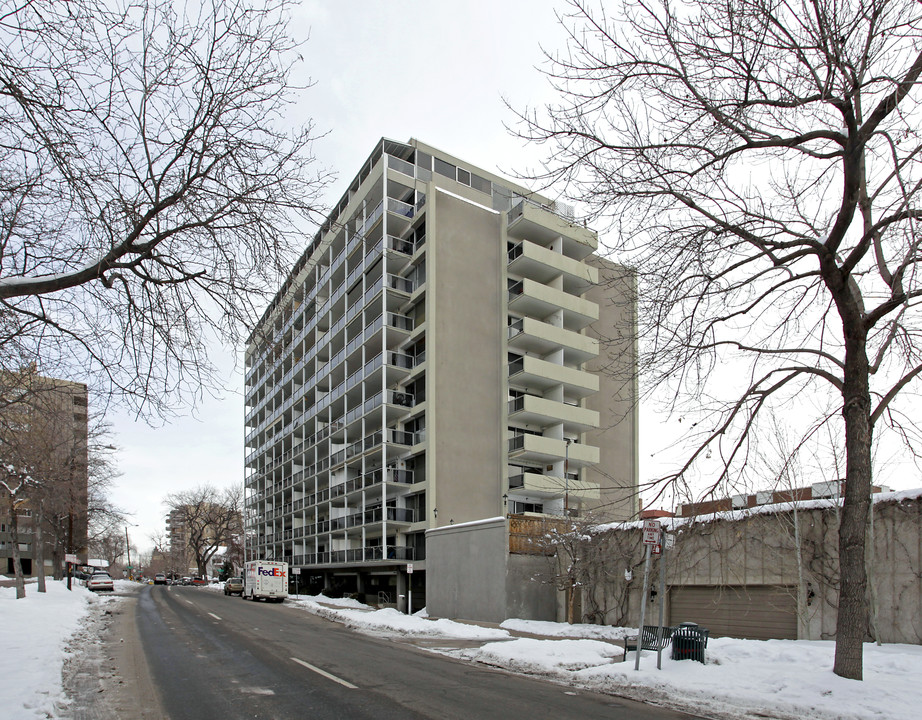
(265, 579)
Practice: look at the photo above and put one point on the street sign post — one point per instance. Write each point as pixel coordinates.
(661, 548)
(297, 571)
(651, 536)
(409, 588)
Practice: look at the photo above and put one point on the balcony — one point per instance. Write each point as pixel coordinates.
(529, 297)
(530, 221)
(399, 214)
(399, 252)
(543, 450)
(540, 338)
(529, 260)
(540, 412)
(537, 374)
(370, 553)
(403, 516)
(550, 486)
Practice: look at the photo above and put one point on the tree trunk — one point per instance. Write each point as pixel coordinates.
(14, 542)
(571, 599)
(869, 569)
(57, 551)
(38, 547)
(852, 621)
(802, 595)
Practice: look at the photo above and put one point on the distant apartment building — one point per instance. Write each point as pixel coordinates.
(188, 524)
(433, 360)
(43, 433)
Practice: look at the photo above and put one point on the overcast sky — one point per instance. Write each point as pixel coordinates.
(437, 71)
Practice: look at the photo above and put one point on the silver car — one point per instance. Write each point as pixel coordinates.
(100, 581)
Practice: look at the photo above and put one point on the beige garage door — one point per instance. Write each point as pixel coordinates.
(757, 612)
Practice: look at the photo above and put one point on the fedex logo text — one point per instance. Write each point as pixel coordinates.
(274, 572)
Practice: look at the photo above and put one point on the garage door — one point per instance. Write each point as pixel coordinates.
(757, 612)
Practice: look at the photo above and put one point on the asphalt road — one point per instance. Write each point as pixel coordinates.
(212, 656)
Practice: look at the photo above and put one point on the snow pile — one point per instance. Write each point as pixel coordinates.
(34, 637)
(391, 621)
(742, 678)
(553, 629)
(774, 678)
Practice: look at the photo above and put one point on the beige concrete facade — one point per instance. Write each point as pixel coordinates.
(436, 358)
(45, 430)
(778, 564)
(465, 358)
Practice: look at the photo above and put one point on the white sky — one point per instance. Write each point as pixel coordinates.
(438, 71)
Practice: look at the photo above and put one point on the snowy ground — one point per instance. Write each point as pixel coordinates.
(37, 635)
(742, 678)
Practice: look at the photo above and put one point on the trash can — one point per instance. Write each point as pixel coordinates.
(689, 641)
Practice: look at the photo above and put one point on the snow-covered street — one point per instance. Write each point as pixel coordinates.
(742, 678)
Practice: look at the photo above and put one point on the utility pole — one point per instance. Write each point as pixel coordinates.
(128, 550)
(566, 478)
(70, 542)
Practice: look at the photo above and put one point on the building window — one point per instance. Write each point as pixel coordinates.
(517, 507)
(446, 169)
(481, 184)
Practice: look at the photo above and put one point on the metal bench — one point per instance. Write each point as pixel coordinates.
(650, 639)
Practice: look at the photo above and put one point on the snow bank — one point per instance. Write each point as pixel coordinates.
(774, 678)
(34, 635)
(389, 620)
(742, 678)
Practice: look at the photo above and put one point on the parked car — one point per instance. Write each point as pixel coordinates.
(159, 579)
(199, 581)
(186, 581)
(233, 586)
(100, 581)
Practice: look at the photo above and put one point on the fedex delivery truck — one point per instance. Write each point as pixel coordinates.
(265, 579)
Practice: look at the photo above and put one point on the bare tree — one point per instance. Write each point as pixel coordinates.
(108, 545)
(209, 518)
(151, 195)
(760, 162)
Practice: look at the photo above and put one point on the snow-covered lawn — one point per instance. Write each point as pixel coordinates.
(34, 637)
(742, 678)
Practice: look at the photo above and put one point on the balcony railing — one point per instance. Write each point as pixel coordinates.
(404, 247)
(363, 554)
(400, 208)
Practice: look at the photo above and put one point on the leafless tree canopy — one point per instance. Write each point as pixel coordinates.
(760, 163)
(209, 519)
(150, 191)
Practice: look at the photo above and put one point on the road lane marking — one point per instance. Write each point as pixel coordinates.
(190, 602)
(327, 675)
(214, 616)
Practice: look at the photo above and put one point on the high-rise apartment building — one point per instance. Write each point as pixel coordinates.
(43, 437)
(433, 359)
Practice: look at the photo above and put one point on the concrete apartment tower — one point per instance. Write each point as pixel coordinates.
(430, 371)
(44, 432)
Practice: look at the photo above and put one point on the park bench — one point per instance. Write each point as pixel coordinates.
(650, 639)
